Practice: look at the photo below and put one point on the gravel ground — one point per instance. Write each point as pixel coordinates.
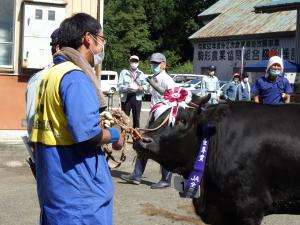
(133, 204)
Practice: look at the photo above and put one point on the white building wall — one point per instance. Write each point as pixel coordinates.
(71, 7)
(227, 55)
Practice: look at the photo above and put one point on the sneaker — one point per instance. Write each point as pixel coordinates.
(160, 184)
(130, 179)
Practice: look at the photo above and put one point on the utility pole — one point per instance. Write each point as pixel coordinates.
(100, 13)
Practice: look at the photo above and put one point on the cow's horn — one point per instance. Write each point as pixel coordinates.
(156, 86)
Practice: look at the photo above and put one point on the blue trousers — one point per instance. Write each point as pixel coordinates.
(139, 168)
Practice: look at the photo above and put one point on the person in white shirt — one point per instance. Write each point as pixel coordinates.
(158, 64)
(132, 84)
(210, 85)
(158, 67)
(244, 91)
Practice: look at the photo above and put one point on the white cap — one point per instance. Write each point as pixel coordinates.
(134, 57)
(273, 60)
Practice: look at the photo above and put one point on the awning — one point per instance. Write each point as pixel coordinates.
(261, 66)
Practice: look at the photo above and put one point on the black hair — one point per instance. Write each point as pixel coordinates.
(72, 29)
(212, 68)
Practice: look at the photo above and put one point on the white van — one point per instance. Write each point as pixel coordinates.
(109, 81)
(182, 78)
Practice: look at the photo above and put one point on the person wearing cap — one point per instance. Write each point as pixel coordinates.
(210, 85)
(158, 65)
(273, 88)
(34, 81)
(74, 184)
(230, 90)
(132, 83)
(244, 89)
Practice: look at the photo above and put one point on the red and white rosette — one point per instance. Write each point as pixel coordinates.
(173, 98)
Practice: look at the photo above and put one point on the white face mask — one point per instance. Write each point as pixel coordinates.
(134, 65)
(211, 73)
(98, 58)
(246, 79)
(155, 68)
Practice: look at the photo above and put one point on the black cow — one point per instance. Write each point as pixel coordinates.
(253, 163)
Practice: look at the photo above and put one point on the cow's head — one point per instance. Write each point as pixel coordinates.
(176, 147)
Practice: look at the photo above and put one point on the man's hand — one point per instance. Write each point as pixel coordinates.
(284, 96)
(107, 119)
(140, 88)
(119, 145)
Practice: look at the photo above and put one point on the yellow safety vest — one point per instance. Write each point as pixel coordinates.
(50, 124)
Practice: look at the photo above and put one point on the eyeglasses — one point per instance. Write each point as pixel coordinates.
(101, 37)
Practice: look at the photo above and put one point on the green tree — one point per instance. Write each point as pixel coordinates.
(144, 27)
(126, 26)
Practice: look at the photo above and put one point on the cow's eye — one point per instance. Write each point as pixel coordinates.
(181, 122)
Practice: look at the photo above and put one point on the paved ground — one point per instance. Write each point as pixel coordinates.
(133, 205)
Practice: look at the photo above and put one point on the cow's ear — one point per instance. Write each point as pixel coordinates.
(214, 114)
(198, 100)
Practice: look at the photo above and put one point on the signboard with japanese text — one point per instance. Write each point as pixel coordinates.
(227, 55)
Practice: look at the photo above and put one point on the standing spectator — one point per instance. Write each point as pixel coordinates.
(158, 65)
(132, 84)
(74, 184)
(244, 90)
(231, 89)
(210, 85)
(273, 88)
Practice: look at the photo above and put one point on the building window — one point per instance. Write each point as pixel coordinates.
(51, 15)
(7, 8)
(38, 14)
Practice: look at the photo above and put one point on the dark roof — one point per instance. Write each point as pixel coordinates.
(237, 18)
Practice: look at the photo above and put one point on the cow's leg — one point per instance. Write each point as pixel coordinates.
(246, 215)
(239, 208)
(249, 208)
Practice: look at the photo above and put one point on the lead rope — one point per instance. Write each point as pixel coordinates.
(139, 136)
(109, 119)
(119, 118)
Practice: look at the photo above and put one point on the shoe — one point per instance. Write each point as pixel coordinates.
(160, 184)
(130, 179)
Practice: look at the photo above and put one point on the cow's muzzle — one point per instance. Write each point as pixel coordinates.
(144, 145)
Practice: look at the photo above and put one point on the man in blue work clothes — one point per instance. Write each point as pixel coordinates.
(273, 88)
(210, 85)
(74, 184)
